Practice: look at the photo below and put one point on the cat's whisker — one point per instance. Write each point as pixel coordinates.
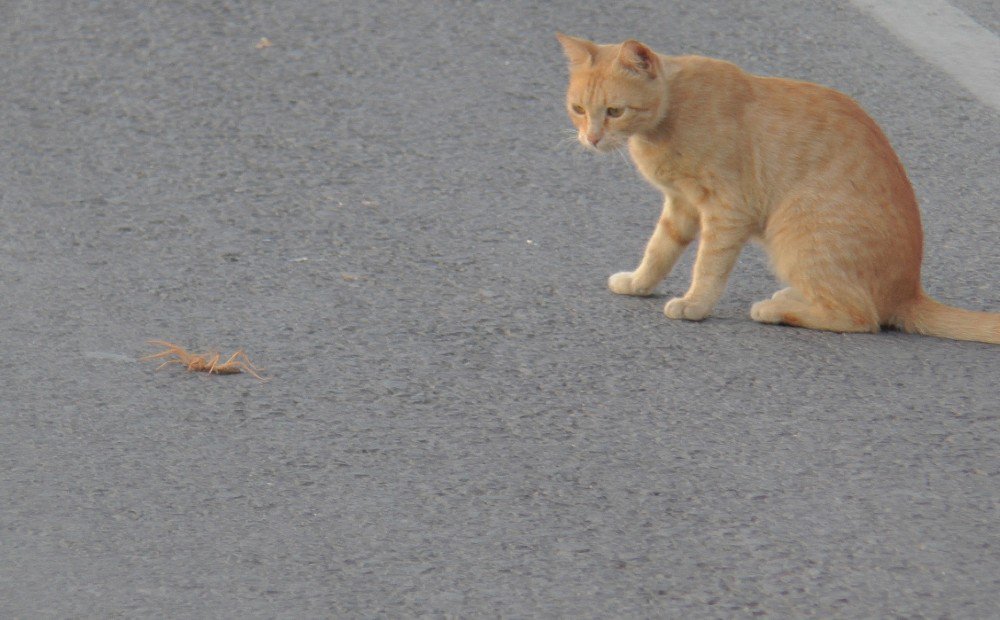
(569, 139)
(571, 144)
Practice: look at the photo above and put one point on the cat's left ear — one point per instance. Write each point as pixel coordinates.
(639, 59)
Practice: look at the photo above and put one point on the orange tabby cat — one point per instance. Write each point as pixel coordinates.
(797, 166)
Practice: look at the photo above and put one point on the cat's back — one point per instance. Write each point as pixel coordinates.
(805, 111)
(768, 136)
(798, 109)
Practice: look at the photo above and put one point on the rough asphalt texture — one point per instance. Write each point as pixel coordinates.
(384, 210)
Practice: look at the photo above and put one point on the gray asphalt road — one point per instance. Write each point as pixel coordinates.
(383, 209)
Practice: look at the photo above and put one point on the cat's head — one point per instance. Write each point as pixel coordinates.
(615, 91)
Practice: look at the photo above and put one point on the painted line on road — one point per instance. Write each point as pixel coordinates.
(947, 37)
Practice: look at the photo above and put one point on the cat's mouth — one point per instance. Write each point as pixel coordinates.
(605, 144)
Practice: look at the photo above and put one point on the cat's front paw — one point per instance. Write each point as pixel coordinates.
(623, 283)
(681, 308)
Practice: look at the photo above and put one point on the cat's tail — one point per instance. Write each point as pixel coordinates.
(929, 317)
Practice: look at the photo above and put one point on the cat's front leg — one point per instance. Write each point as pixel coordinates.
(721, 242)
(678, 225)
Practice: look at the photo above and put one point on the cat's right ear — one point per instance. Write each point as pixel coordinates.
(579, 51)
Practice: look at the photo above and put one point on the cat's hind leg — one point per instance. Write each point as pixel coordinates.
(823, 260)
(789, 307)
(676, 229)
(788, 293)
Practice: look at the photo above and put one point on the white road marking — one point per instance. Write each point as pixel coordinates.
(947, 37)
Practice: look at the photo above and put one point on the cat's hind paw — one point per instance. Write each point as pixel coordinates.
(769, 310)
(623, 283)
(680, 308)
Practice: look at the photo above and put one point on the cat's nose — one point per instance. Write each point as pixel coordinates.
(593, 139)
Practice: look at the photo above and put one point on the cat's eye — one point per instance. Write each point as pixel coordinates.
(578, 109)
(615, 112)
